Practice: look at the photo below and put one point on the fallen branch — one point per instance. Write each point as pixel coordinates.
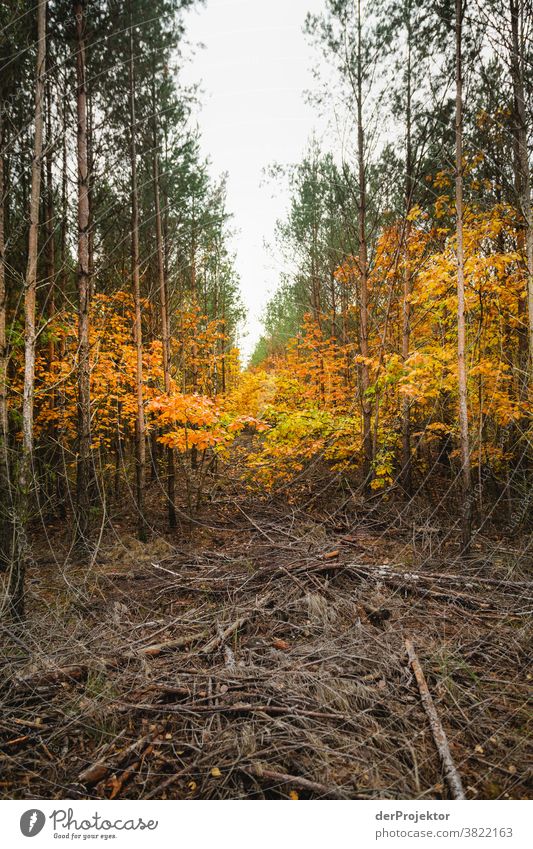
(258, 771)
(439, 736)
(116, 783)
(229, 656)
(245, 707)
(410, 584)
(435, 577)
(49, 678)
(157, 791)
(17, 740)
(38, 724)
(222, 636)
(171, 645)
(100, 770)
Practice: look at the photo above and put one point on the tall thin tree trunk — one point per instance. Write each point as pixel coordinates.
(194, 346)
(363, 266)
(140, 429)
(90, 169)
(163, 301)
(62, 281)
(24, 483)
(51, 285)
(50, 231)
(5, 488)
(517, 75)
(406, 475)
(84, 290)
(467, 497)
(223, 344)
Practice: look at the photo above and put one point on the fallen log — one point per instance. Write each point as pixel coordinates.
(439, 736)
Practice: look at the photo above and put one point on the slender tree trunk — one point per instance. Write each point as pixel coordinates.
(84, 290)
(517, 75)
(194, 346)
(51, 287)
(62, 281)
(50, 233)
(5, 487)
(165, 330)
(467, 497)
(24, 483)
(90, 174)
(140, 429)
(406, 475)
(223, 343)
(363, 266)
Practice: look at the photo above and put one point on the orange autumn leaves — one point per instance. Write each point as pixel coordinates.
(314, 401)
(305, 403)
(189, 419)
(195, 421)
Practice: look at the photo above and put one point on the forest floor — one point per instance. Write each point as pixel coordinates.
(261, 654)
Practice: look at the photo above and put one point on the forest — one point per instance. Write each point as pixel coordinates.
(306, 575)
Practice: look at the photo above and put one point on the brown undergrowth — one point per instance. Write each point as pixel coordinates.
(261, 654)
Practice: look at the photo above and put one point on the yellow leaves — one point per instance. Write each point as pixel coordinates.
(438, 427)
(414, 213)
(442, 179)
(215, 772)
(293, 795)
(360, 360)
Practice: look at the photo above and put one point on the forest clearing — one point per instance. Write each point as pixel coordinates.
(304, 573)
(268, 658)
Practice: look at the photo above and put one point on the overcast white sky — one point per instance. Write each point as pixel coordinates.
(254, 69)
